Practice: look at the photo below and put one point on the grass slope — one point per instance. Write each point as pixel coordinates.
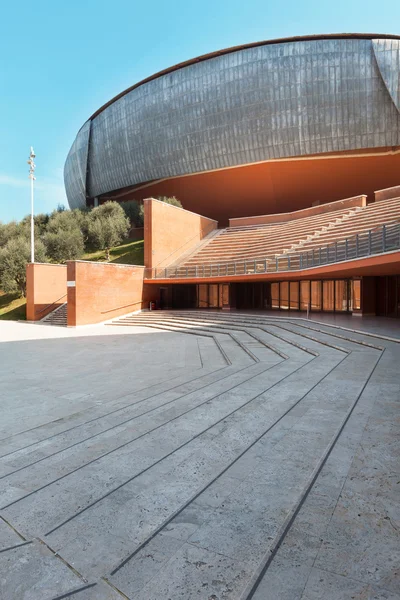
(12, 307)
(128, 253)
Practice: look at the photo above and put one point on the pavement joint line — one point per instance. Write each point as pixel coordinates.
(115, 588)
(166, 328)
(15, 546)
(140, 436)
(253, 326)
(175, 449)
(244, 347)
(113, 411)
(261, 318)
(13, 528)
(216, 323)
(331, 325)
(120, 424)
(344, 483)
(200, 357)
(265, 343)
(166, 380)
(359, 331)
(165, 323)
(65, 562)
(291, 342)
(342, 337)
(198, 493)
(347, 419)
(130, 441)
(264, 565)
(263, 321)
(346, 329)
(309, 337)
(300, 346)
(74, 592)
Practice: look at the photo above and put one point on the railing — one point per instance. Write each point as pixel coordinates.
(38, 312)
(384, 238)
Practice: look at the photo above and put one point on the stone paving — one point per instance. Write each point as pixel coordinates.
(202, 455)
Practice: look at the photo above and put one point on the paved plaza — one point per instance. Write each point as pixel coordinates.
(201, 456)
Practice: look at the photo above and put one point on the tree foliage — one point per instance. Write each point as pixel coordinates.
(64, 238)
(170, 200)
(167, 199)
(14, 256)
(108, 225)
(60, 236)
(134, 213)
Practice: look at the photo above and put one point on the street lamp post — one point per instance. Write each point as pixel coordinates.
(32, 166)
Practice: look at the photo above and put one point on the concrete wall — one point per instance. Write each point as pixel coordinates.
(46, 289)
(101, 291)
(300, 214)
(388, 193)
(170, 232)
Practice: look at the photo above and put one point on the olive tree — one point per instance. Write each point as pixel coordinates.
(133, 211)
(108, 226)
(63, 238)
(14, 256)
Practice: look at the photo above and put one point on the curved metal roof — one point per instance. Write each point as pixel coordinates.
(252, 103)
(202, 57)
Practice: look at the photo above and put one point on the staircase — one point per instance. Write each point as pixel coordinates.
(57, 317)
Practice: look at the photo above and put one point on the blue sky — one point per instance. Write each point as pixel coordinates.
(60, 61)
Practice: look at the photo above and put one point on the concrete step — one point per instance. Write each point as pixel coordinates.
(57, 317)
(203, 477)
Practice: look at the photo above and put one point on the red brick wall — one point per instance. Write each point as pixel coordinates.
(300, 214)
(101, 291)
(170, 231)
(46, 289)
(388, 193)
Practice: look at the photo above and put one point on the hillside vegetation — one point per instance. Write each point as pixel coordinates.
(12, 307)
(99, 234)
(127, 253)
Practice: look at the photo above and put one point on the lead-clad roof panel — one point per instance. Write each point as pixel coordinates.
(254, 104)
(387, 54)
(75, 169)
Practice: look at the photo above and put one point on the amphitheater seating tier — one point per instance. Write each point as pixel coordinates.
(265, 242)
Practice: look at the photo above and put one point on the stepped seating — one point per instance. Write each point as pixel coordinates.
(370, 217)
(266, 242)
(260, 241)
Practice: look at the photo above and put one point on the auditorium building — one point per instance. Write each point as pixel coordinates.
(285, 155)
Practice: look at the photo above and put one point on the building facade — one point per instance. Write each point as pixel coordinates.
(264, 128)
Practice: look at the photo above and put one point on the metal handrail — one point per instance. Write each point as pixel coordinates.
(103, 312)
(381, 239)
(37, 312)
